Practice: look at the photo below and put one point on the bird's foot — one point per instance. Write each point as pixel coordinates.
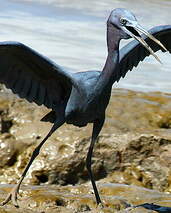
(100, 206)
(11, 196)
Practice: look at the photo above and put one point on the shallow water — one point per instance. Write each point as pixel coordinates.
(73, 34)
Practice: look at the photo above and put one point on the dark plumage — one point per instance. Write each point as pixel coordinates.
(78, 98)
(134, 52)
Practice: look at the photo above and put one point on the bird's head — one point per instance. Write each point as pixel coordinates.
(126, 24)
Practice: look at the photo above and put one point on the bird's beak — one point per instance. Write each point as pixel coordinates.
(133, 29)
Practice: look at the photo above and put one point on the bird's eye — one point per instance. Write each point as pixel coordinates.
(123, 21)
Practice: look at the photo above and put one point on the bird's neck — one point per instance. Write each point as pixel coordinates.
(108, 73)
(112, 61)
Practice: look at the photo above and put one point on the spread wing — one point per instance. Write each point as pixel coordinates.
(132, 53)
(33, 76)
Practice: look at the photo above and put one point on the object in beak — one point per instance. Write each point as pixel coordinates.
(133, 31)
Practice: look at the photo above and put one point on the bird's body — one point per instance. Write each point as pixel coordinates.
(77, 98)
(84, 109)
(78, 110)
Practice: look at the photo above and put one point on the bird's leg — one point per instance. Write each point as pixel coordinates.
(13, 193)
(97, 126)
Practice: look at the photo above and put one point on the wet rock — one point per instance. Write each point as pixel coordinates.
(77, 199)
(134, 146)
(140, 159)
(143, 162)
(129, 111)
(7, 150)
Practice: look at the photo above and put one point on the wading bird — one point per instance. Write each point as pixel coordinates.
(78, 98)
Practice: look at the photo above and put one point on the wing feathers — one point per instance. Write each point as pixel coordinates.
(42, 94)
(32, 76)
(134, 52)
(25, 90)
(33, 91)
(19, 84)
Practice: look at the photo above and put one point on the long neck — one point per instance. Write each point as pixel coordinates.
(108, 73)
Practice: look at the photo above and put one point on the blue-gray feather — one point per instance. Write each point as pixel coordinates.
(30, 74)
(132, 53)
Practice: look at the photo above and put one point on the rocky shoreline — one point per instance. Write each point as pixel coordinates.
(131, 161)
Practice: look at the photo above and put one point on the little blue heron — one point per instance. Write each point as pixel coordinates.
(78, 98)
